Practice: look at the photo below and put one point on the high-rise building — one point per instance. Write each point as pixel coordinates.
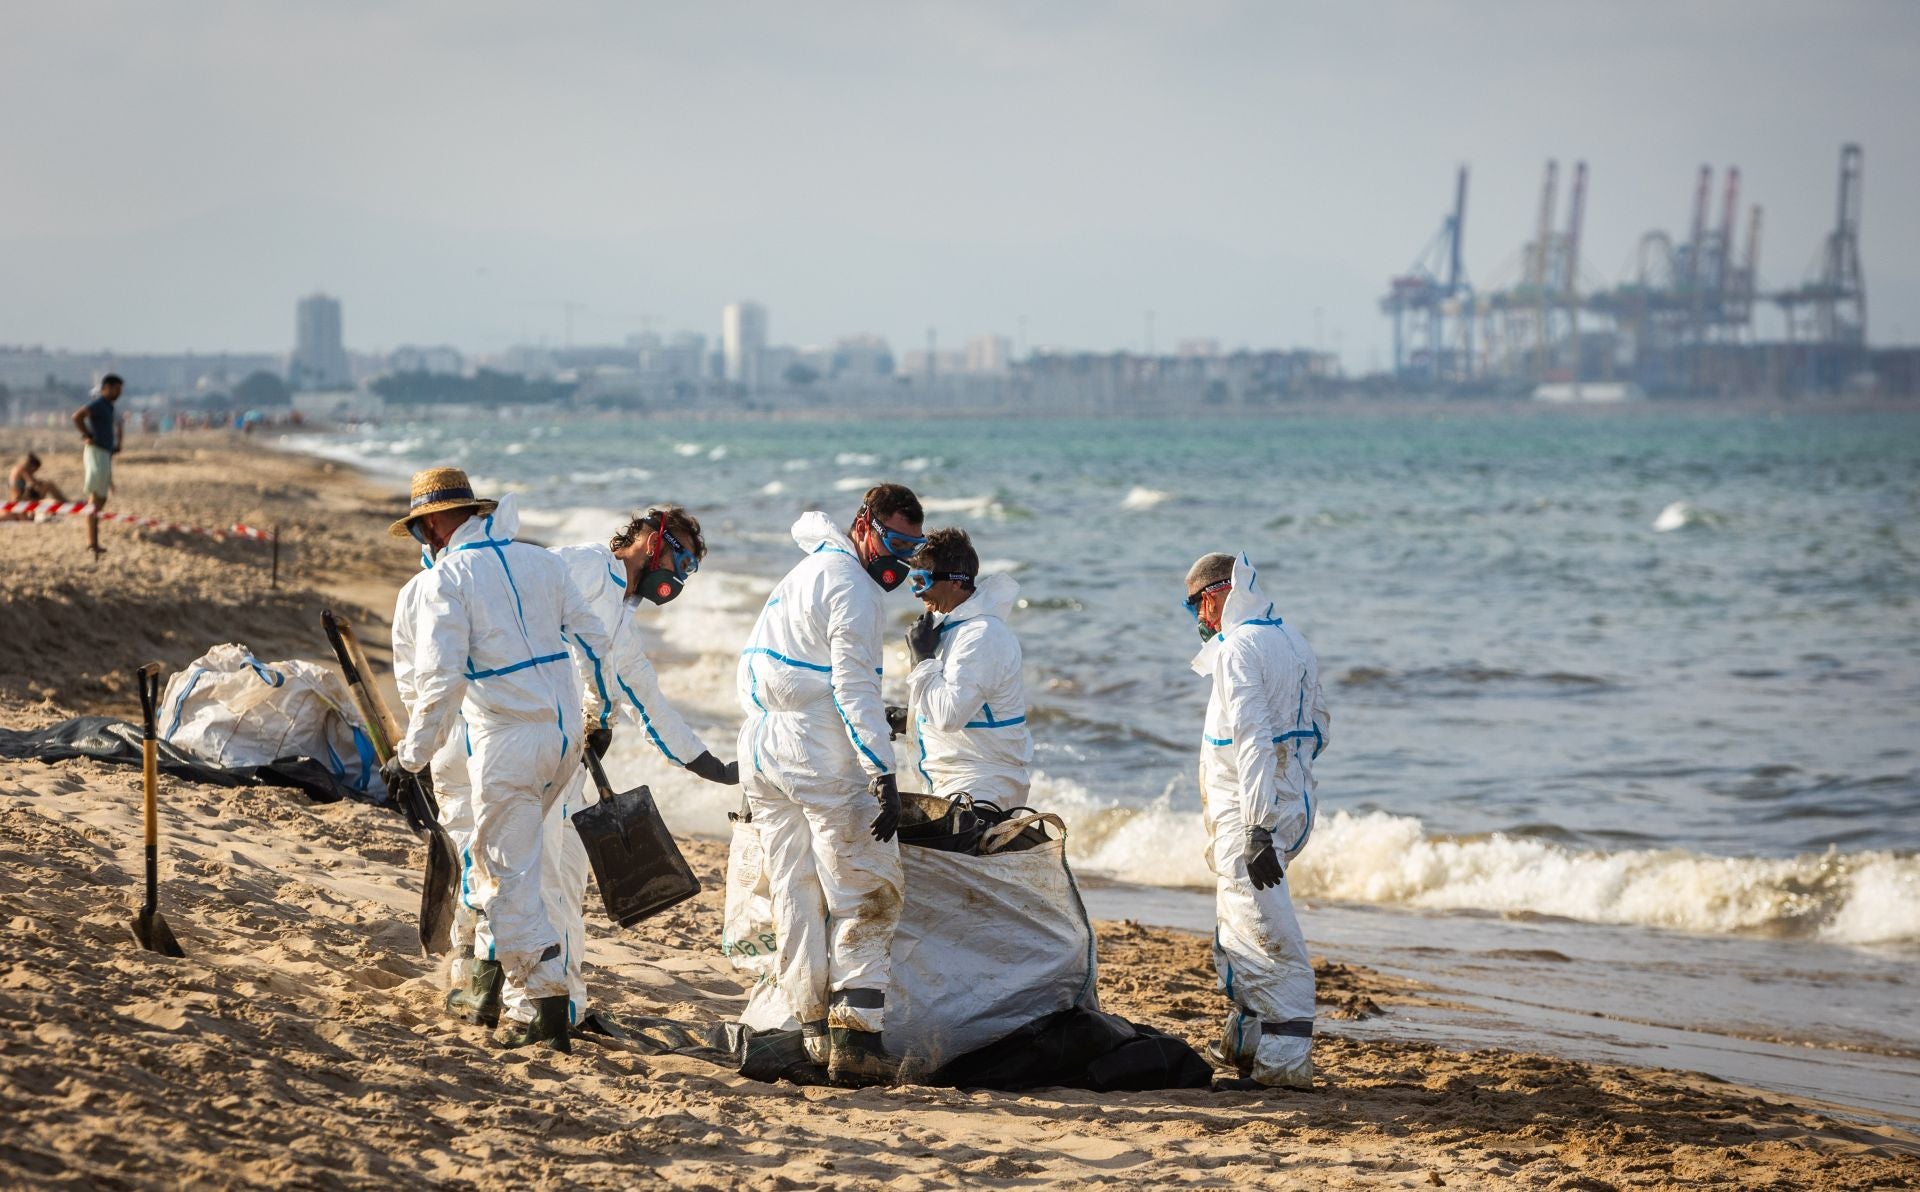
(319, 356)
(743, 336)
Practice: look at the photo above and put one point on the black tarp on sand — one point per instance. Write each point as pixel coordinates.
(116, 742)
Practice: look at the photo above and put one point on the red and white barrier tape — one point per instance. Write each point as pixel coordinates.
(151, 523)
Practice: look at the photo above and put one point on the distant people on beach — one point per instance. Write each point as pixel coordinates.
(24, 483)
(99, 425)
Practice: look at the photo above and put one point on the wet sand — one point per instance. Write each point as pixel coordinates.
(301, 1042)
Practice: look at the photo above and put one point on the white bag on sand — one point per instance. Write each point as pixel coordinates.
(231, 709)
(985, 945)
(747, 935)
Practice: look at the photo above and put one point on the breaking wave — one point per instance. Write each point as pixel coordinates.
(1380, 858)
(1141, 497)
(1681, 516)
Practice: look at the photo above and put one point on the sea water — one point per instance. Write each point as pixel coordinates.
(1652, 667)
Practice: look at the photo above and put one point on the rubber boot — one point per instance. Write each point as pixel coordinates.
(550, 1025)
(1299, 1076)
(479, 1000)
(857, 1059)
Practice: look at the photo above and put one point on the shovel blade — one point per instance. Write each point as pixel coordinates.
(151, 930)
(635, 860)
(438, 893)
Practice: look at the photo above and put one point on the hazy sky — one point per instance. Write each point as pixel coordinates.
(175, 175)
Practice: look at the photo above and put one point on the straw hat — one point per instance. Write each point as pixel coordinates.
(438, 489)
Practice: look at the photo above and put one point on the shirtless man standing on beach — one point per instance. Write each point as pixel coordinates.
(99, 427)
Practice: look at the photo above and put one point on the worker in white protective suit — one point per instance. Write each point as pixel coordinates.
(480, 657)
(816, 739)
(648, 561)
(968, 701)
(1266, 723)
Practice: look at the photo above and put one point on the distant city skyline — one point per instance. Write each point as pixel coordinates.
(1250, 173)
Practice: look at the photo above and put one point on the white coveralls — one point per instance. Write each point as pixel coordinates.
(815, 733)
(970, 705)
(623, 679)
(481, 661)
(1266, 722)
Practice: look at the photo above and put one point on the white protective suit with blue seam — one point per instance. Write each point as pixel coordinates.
(620, 679)
(815, 733)
(481, 661)
(970, 703)
(1266, 722)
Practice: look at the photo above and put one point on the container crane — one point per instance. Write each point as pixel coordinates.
(1434, 292)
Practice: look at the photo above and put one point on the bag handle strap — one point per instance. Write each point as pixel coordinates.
(1000, 835)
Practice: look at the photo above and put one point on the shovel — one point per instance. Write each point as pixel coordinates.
(415, 800)
(149, 926)
(634, 857)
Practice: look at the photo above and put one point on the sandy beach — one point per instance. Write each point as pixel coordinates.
(301, 1042)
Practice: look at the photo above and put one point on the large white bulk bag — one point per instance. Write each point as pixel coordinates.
(747, 935)
(985, 945)
(230, 709)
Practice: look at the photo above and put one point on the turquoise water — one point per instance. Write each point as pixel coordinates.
(1648, 665)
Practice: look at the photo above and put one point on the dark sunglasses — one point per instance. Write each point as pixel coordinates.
(1193, 601)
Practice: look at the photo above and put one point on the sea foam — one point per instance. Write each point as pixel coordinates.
(1380, 858)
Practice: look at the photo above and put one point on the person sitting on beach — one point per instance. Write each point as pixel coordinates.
(965, 690)
(24, 484)
(99, 428)
(1266, 722)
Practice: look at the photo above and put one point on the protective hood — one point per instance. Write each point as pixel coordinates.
(993, 596)
(815, 530)
(1245, 603)
(500, 525)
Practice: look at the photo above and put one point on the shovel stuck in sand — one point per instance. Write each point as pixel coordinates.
(149, 926)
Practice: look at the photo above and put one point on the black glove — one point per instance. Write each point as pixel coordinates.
(412, 793)
(924, 638)
(1263, 863)
(600, 740)
(713, 769)
(896, 722)
(888, 821)
(394, 774)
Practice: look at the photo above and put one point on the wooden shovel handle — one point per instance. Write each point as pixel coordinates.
(381, 728)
